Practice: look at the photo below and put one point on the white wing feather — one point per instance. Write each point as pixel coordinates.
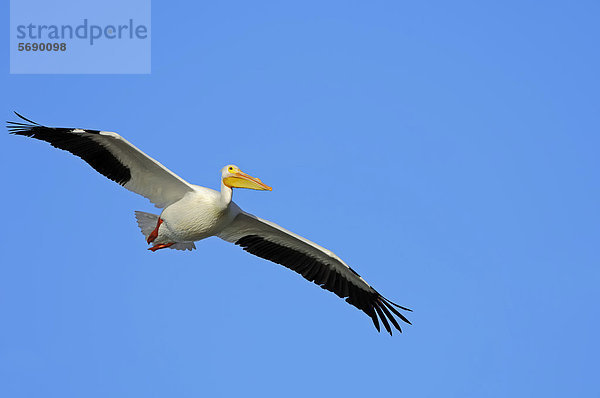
(246, 224)
(149, 177)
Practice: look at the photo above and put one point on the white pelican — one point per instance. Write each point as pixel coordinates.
(191, 213)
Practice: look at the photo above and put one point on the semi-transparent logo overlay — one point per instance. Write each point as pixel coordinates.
(68, 37)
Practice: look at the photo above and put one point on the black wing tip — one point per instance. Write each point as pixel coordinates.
(381, 310)
(19, 127)
(24, 118)
(384, 308)
(396, 305)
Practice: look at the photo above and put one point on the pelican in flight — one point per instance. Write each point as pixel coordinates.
(191, 213)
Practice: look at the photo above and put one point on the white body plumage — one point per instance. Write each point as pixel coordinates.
(198, 215)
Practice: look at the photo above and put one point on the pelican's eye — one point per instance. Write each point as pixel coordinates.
(230, 168)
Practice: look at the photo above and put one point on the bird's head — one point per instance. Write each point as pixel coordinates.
(233, 177)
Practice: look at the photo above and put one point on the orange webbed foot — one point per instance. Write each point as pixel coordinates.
(154, 234)
(161, 246)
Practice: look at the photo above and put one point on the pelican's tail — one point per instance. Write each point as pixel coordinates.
(147, 223)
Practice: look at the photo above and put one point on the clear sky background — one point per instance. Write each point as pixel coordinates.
(448, 151)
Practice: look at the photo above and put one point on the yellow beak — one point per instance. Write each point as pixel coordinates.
(240, 179)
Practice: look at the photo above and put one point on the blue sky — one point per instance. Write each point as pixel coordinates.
(448, 151)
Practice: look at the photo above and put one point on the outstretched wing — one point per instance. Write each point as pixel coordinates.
(112, 156)
(315, 263)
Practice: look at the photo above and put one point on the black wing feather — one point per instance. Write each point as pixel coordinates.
(91, 151)
(370, 302)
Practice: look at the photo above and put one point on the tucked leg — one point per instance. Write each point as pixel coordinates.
(161, 246)
(154, 234)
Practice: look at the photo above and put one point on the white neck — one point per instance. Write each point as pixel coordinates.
(226, 194)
